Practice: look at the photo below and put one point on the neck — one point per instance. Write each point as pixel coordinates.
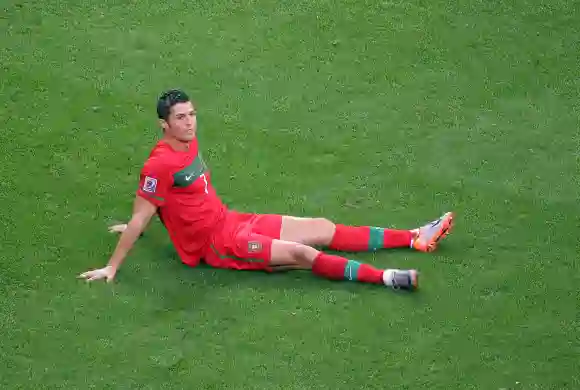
(181, 146)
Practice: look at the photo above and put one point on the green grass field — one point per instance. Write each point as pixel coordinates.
(366, 112)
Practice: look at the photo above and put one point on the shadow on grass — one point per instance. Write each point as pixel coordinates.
(179, 287)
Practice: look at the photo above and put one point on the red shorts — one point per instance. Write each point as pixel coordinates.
(244, 242)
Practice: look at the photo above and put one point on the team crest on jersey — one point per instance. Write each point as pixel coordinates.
(254, 246)
(150, 184)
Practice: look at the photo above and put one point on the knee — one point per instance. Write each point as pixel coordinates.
(324, 223)
(325, 229)
(303, 254)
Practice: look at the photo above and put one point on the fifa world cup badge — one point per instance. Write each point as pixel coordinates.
(150, 184)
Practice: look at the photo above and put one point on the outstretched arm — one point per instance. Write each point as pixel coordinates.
(143, 210)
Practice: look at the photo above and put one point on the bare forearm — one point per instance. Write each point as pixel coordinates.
(131, 233)
(143, 211)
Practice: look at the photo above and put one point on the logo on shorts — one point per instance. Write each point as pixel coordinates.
(150, 184)
(254, 246)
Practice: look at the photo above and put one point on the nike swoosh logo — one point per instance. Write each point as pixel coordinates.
(188, 177)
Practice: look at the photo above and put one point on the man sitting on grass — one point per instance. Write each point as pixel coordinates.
(175, 183)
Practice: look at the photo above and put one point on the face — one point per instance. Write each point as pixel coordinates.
(182, 122)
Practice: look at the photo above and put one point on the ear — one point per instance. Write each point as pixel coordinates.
(163, 124)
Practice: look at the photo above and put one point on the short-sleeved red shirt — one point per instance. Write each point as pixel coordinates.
(179, 184)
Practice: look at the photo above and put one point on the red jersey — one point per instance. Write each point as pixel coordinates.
(188, 206)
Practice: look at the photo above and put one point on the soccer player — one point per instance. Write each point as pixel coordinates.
(175, 184)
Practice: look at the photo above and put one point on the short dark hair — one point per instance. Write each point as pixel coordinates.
(167, 100)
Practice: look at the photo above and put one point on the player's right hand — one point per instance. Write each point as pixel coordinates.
(107, 273)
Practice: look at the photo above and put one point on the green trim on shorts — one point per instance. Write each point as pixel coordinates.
(226, 257)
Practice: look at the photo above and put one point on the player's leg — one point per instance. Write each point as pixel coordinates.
(323, 232)
(248, 250)
(286, 254)
(257, 252)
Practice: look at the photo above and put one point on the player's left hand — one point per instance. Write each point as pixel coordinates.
(118, 228)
